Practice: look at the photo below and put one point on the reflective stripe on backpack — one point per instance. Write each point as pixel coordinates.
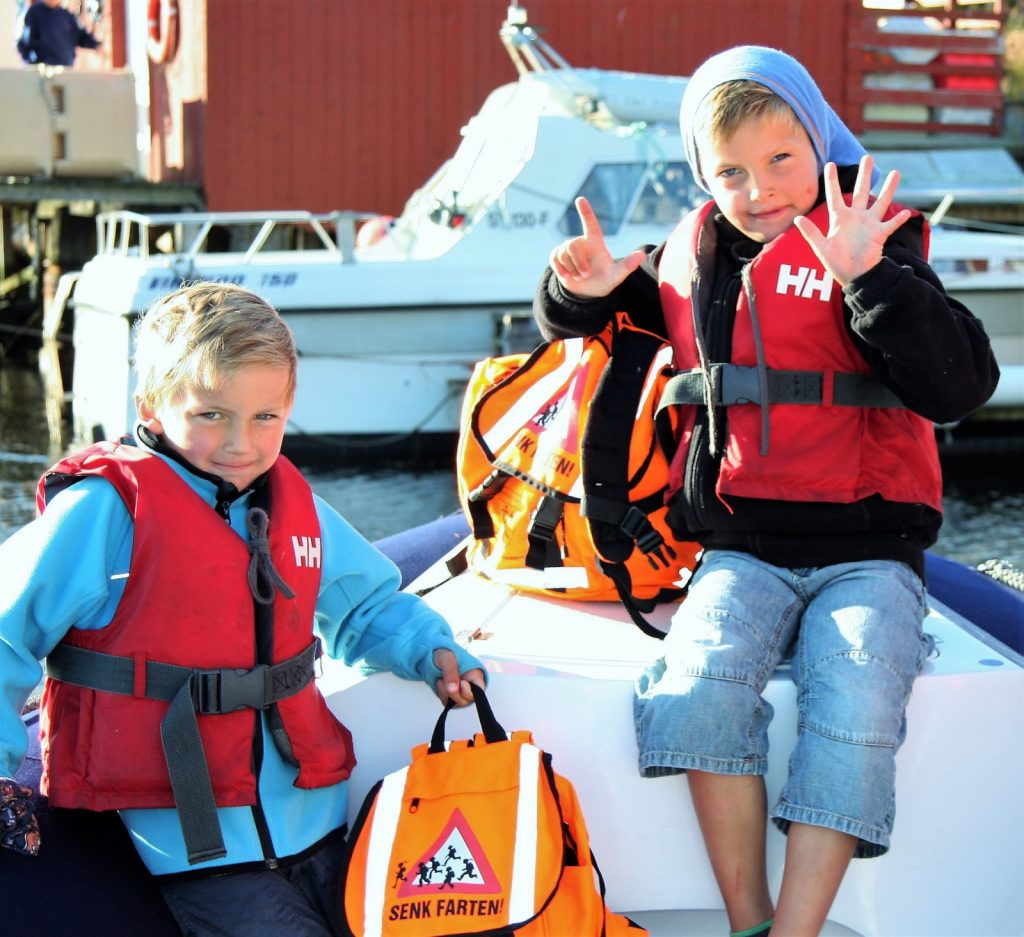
(378, 859)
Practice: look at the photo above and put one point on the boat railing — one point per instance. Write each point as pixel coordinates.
(183, 236)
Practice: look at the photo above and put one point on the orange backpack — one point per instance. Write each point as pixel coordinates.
(478, 837)
(563, 469)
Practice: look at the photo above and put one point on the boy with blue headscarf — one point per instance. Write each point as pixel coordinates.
(816, 348)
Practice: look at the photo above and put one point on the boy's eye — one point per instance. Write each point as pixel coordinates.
(729, 173)
(209, 415)
(266, 416)
(778, 157)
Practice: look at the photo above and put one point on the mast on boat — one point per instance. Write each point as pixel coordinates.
(529, 52)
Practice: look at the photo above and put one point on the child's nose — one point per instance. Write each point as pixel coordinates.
(239, 437)
(758, 187)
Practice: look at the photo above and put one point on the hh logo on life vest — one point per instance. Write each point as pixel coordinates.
(804, 282)
(307, 551)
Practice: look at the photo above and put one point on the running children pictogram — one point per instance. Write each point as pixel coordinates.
(455, 863)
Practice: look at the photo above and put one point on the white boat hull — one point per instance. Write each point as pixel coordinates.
(564, 670)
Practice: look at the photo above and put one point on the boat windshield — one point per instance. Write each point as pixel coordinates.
(668, 193)
(634, 194)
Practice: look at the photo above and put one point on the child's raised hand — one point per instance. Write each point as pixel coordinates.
(856, 232)
(453, 685)
(583, 264)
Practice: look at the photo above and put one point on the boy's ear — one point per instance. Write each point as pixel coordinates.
(147, 416)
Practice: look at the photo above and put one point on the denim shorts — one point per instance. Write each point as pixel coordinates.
(855, 634)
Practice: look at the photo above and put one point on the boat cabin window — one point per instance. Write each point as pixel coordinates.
(609, 188)
(669, 192)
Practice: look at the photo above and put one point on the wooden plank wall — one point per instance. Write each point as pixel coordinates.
(325, 104)
(938, 73)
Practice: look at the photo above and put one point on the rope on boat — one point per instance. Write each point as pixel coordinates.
(1004, 572)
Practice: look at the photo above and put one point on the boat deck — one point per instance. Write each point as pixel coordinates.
(565, 669)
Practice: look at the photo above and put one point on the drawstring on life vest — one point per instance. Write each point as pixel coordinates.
(258, 525)
(762, 366)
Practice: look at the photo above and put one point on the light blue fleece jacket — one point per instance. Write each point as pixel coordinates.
(67, 569)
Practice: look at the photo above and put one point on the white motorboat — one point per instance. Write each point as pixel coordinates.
(390, 320)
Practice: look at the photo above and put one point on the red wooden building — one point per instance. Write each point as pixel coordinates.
(324, 104)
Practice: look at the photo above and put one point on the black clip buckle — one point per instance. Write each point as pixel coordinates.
(227, 691)
(740, 385)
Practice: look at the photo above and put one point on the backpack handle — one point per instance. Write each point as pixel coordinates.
(490, 726)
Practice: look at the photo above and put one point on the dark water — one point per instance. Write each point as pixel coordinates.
(984, 498)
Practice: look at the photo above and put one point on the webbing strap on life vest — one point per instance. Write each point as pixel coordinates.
(480, 518)
(733, 384)
(189, 691)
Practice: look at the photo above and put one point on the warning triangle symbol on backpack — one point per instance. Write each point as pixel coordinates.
(454, 864)
(559, 416)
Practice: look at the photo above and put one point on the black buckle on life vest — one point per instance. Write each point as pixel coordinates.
(226, 691)
(636, 526)
(732, 384)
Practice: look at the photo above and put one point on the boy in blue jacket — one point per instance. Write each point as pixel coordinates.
(180, 587)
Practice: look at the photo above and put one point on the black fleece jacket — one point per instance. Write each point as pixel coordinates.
(923, 344)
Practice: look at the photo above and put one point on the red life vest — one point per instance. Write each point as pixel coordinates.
(102, 750)
(828, 452)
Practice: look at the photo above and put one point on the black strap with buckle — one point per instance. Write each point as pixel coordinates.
(189, 691)
(733, 384)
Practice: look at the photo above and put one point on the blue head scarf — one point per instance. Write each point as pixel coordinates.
(783, 74)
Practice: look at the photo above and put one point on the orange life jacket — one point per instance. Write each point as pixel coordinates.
(562, 470)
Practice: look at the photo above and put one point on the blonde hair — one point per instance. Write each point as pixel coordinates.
(203, 333)
(733, 103)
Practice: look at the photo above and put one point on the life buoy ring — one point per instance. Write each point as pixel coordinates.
(374, 230)
(162, 38)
